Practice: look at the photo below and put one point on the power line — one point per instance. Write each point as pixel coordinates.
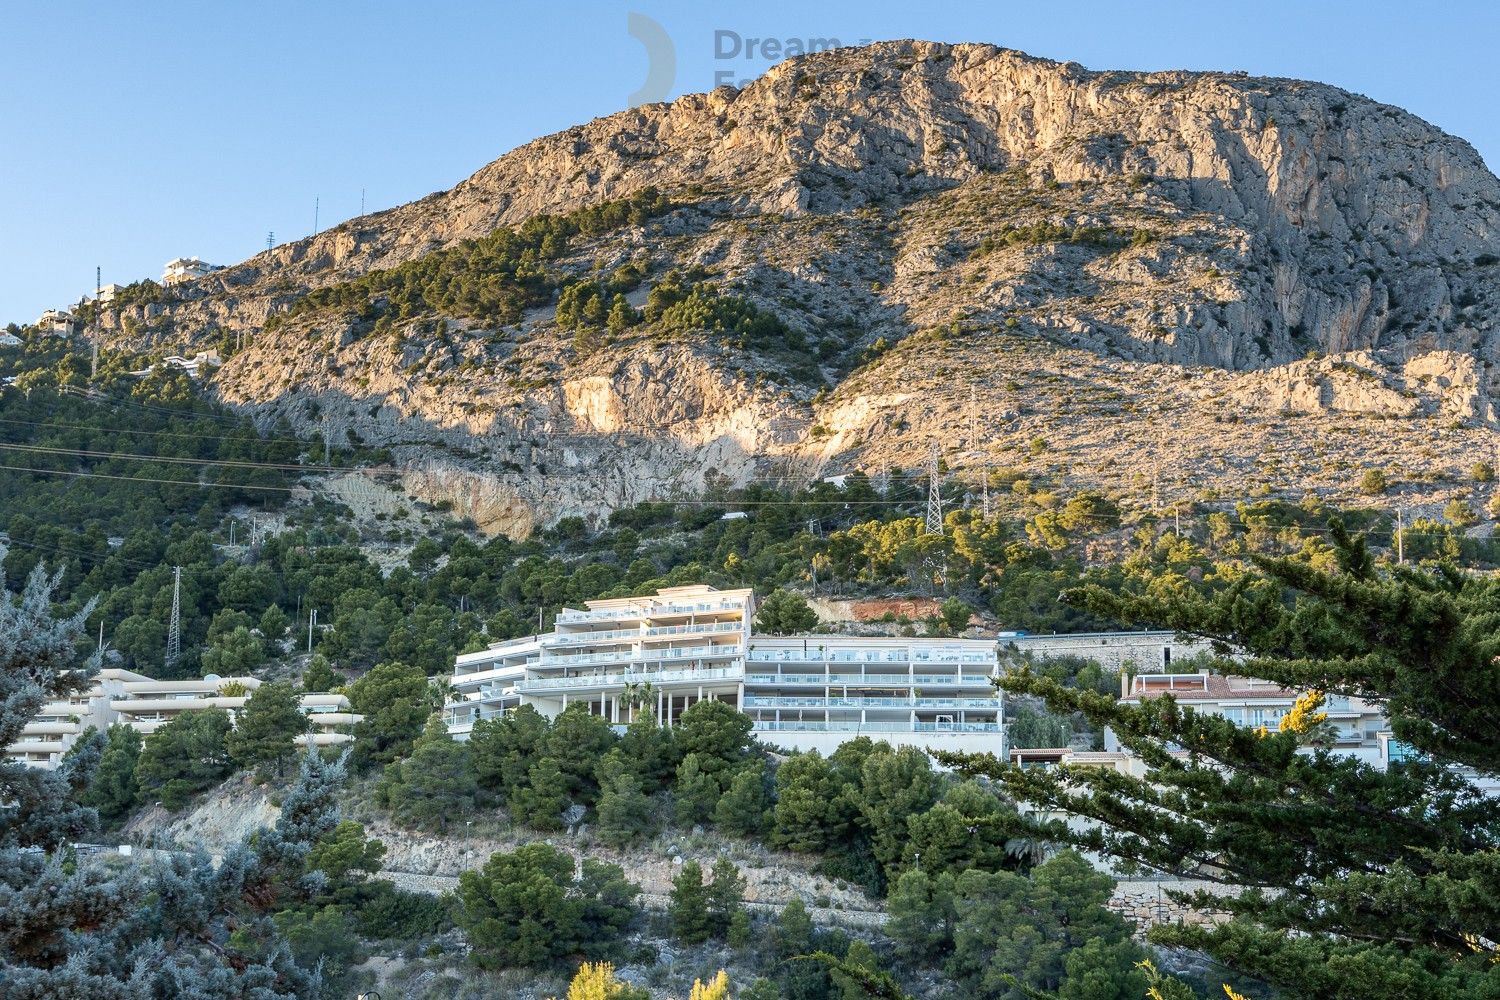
(147, 479)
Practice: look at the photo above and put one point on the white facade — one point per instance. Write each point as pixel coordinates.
(1359, 726)
(58, 724)
(121, 696)
(108, 292)
(815, 692)
(185, 269)
(682, 645)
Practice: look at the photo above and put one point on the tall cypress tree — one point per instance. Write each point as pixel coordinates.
(1344, 881)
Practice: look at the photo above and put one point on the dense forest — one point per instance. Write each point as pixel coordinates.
(112, 480)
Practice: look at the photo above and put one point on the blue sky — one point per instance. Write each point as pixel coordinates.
(134, 133)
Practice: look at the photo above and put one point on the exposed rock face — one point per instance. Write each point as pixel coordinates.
(1202, 220)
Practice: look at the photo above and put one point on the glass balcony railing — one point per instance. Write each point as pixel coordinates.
(607, 679)
(758, 701)
(884, 656)
(876, 727)
(643, 655)
(648, 611)
(610, 635)
(871, 680)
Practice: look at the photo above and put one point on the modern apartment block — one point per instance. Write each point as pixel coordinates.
(679, 646)
(121, 696)
(1360, 728)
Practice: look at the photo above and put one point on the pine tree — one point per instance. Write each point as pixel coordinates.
(744, 806)
(624, 811)
(268, 727)
(505, 749)
(651, 749)
(540, 802)
(319, 676)
(689, 907)
(726, 891)
(113, 790)
(185, 756)
(696, 791)
(434, 786)
(784, 612)
(1344, 881)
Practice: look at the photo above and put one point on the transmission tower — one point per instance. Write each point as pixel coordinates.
(934, 524)
(174, 626)
(270, 240)
(984, 495)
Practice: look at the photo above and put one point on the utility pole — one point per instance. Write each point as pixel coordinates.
(361, 201)
(312, 622)
(98, 322)
(934, 523)
(174, 624)
(1400, 537)
(316, 206)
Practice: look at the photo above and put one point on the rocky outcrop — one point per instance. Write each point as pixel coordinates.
(1010, 210)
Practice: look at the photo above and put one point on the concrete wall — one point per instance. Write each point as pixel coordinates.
(1141, 652)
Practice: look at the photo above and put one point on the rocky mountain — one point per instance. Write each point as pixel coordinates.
(1225, 284)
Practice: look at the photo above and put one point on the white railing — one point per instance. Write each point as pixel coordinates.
(757, 701)
(643, 655)
(567, 638)
(602, 679)
(648, 611)
(871, 680)
(480, 676)
(876, 727)
(816, 656)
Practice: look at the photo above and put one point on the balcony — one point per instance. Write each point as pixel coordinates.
(986, 704)
(644, 655)
(877, 727)
(620, 634)
(498, 673)
(872, 680)
(813, 655)
(653, 611)
(602, 680)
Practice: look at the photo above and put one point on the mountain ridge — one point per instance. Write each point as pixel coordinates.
(1180, 226)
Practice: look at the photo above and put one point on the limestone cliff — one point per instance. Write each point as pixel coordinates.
(978, 246)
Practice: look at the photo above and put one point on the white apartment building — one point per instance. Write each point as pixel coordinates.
(108, 292)
(185, 269)
(682, 645)
(815, 692)
(144, 704)
(58, 724)
(1360, 727)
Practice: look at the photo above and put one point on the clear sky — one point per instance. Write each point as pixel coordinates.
(134, 133)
